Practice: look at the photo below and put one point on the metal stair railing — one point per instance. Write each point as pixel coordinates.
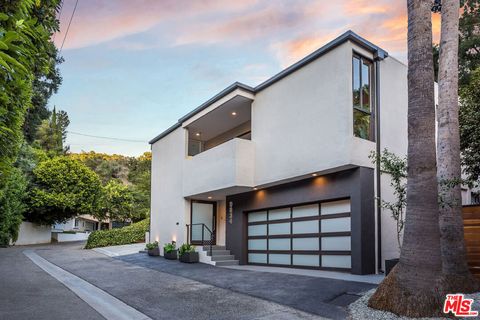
(204, 242)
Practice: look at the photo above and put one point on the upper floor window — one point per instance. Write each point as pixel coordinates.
(363, 115)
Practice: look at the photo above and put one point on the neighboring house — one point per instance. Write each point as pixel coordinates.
(281, 172)
(84, 223)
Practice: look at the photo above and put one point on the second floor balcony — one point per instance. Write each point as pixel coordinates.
(224, 169)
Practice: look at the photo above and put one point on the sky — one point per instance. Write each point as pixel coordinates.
(134, 67)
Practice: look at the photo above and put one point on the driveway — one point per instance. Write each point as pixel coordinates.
(160, 289)
(320, 296)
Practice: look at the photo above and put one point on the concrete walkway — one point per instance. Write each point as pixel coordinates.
(116, 251)
(370, 278)
(316, 295)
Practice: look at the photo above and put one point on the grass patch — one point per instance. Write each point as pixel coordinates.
(131, 234)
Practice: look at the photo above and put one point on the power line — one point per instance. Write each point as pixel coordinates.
(59, 17)
(69, 23)
(109, 138)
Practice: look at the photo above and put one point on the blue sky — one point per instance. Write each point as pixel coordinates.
(133, 67)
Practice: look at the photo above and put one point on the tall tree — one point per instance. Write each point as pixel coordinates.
(411, 289)
(52, 133)
(456, 275)
(46, 80)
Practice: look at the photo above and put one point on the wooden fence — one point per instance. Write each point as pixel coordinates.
(471, 222)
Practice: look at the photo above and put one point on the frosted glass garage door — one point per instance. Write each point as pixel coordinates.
(314, 235)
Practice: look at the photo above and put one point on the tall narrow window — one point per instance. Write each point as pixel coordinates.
(363, 123)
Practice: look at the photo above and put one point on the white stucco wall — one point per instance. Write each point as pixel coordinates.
(304, 122)
(32, 233)
(393, 126)
(67, 237)
(168, 204)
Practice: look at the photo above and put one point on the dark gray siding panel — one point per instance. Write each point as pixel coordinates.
(356, 184)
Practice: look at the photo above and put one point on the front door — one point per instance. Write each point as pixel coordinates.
(203, 213)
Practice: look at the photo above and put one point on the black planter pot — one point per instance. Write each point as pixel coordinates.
(389, 264)
(189, 257)
(154, 252)
(172, 255)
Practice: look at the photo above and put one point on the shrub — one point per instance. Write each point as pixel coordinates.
(169, 247)
(12, 206)
(186, 248)
(151, 246)
(133, 233)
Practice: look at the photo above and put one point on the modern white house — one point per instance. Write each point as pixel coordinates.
(279, 174)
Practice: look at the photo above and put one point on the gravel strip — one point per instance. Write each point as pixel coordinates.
(359, 310)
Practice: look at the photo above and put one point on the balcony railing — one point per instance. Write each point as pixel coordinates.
(227, 165)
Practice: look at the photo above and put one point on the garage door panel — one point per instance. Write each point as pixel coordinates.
(305, 227)
(257, 230)
(279, 228)
(333, 207)
(305, 211)
(306, 260)
(257, 257)
(336, 261)
(279, 244)
(257, 216)
(310, 236)
(278, 214)
(279, 259)
(257, 244)
(336, 225)
(336, 243)
(305, 244)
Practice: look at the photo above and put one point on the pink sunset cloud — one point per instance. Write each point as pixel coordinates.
(290, 29)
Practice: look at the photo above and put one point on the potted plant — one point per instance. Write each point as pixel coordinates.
(152, 249)
(188, 254)
(170, 251)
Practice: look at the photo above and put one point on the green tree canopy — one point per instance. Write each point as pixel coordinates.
(117, 202)
(470, 126)
(61, 189)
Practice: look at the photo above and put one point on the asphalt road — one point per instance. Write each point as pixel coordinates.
(28, 292)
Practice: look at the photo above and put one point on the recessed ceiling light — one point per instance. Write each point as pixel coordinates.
(314, 174)
(234, 113)
(209, 197)
(255, 188)
(198, 134)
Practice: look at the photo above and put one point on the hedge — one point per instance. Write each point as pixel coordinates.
(131, 234)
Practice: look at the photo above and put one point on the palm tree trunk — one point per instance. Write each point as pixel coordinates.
(412, 288)
(457, 277)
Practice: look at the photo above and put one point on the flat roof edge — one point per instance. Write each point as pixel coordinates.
(349, 35)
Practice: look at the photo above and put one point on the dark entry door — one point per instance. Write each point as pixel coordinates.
(203, 212)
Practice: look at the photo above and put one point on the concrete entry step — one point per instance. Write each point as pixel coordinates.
(220, 258)
(215, 247)
(226, 263)
(218, 252)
